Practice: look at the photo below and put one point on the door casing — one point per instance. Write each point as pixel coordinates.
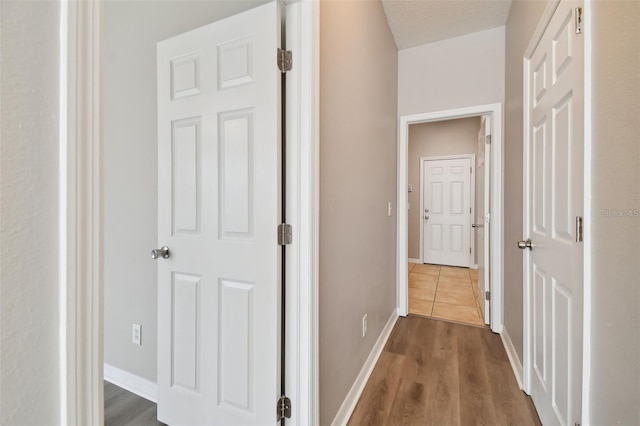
(497, 208)
(81, 211)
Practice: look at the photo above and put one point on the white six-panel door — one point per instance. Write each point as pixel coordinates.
(555, 262)
(218, 210)
(446, 213)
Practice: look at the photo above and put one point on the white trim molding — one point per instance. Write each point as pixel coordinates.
(414, 261)
(81, 199)
(134, 384)
(351, 400)
(513, 356)
(497, 203)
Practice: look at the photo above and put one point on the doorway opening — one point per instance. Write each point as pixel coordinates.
(431, 244)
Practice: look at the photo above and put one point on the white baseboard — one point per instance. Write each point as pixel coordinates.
(513, 355)
(350, 401)
(135, 384)
(414, 260)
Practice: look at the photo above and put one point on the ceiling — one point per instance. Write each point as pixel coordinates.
(416, 22)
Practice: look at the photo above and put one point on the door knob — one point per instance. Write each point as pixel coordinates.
(473, 225)
(162, 252)
(426, 218)
(525, 244)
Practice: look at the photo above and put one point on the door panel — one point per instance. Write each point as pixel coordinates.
(556, 181)
(219, 207)
(446, 216)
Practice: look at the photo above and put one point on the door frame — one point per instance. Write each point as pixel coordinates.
(472, 195)
(497, 203)
(81, 211)
(527, 323)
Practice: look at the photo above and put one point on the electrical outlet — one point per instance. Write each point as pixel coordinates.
(364, 325)
(136, 334)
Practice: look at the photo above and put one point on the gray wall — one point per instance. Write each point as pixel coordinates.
(357, 180)
(523, 19)
(131, 31)
(453, 73)
(29, 152)
(615, 180)
(433, 139)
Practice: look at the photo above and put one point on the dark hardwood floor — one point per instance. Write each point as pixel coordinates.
(123, 408)
(433, 372)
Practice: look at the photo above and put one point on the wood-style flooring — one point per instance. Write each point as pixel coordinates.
(123, 408)
(434, 372)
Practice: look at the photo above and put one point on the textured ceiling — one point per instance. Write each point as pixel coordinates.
(416, 22)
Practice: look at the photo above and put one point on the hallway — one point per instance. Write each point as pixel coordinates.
(438, 373)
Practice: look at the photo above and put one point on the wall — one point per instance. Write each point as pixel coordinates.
(357, 180)
(29, 286)
(433, 139)
(523, 19)
(131, 31)
(454, 73)
(615, 247)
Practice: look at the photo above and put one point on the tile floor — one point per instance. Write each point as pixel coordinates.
(444, 292)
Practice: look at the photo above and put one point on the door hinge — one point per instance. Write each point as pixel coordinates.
(579, 229)
(578, 20)
(487, 295)
(487, 139)
(285, 60)
(283, 408)
(469, 250)
(285, 234)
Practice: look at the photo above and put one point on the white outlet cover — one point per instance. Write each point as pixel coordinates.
(136, 334)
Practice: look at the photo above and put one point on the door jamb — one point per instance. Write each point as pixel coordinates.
(472, 195)
(81, 238)
(497, 209)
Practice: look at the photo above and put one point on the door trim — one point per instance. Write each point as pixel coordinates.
(497, 209)
(472, 194)
(81, 239)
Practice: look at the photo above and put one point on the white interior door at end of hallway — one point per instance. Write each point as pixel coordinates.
(446, 214)
(482, 222)
(555, 175)
(219, 207)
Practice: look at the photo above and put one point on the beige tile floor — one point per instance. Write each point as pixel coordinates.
(444, 292)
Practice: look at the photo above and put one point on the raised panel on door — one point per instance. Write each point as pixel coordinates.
(218, 211)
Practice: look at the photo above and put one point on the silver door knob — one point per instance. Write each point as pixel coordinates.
(522, 244)
(162, 252)
(473, 225)
(426, 218)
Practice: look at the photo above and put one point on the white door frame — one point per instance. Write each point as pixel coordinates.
(81, 210)
(527, 336)
(497, 162)
(472, 194)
